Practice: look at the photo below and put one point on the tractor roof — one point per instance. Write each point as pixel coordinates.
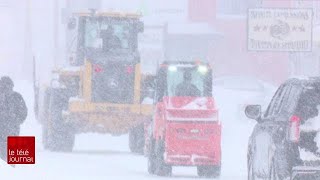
(184, 63)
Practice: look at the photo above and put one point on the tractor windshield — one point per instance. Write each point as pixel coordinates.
(109, 35)
(193, 81)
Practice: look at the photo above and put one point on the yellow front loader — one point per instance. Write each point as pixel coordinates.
(102, 90)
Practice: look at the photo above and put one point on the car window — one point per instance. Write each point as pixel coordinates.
(280, 104)
(287, 104)
(290, 100)
(275, 103)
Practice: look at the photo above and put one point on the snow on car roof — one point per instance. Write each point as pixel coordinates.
(300, 77)
(304, 79)
(305, 82)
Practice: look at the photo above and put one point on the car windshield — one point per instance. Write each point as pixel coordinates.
(106, 35)
(188, 81)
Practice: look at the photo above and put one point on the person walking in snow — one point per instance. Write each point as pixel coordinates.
(13, 112)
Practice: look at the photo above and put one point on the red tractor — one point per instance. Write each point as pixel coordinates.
(185, 129)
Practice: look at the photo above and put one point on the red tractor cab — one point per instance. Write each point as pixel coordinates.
(185, 129)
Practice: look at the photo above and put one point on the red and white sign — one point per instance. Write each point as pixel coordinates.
(21, 150)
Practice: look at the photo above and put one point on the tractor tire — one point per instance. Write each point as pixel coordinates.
(58, 135)
(152, 163)
(162, 169)
(136, 139)
(209, 171)
(45, 137)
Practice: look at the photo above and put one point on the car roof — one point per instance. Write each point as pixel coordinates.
(310, 81)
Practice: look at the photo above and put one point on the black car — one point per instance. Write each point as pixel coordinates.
(274, 144)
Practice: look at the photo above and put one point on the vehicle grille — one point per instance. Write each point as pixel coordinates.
(113, 82)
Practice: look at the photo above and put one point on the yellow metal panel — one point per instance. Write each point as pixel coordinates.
(107, 117)
(147, 110)
(82, 106)
(81, 82)
(137, 84)
(87, 83)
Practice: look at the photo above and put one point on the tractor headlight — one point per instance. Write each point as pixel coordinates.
(172, 68)
(203, 69)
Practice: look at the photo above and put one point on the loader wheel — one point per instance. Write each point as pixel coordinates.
(58, 135)
(136, 139)
(209, 171)
(162, 169)
(152, 163)
(273, 172)
(45, 137)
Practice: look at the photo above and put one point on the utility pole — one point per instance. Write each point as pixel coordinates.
(27, 62)
(56, 33)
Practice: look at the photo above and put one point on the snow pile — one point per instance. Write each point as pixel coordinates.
(312, 125)
(307, 156)
(76, 99)
(147, 100)
(188, 103)
(198, 103)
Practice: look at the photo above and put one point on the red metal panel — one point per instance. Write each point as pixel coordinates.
(193, 143)
(202, 11)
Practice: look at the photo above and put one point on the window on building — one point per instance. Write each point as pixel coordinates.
(236, 7)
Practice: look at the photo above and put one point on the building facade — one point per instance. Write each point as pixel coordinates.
(232, 56)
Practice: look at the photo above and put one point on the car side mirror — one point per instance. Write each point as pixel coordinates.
(253, 111)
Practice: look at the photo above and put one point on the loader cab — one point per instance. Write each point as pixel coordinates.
(107, 37)
(183, 79)
(107, 47)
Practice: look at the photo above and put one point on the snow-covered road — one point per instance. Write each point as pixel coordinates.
(97, 162)
(106, 157)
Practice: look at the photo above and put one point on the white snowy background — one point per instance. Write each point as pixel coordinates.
(96, 156)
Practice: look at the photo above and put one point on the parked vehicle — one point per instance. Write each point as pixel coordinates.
(185, 129)
(287, 126)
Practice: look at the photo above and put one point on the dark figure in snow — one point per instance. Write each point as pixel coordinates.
(186, 88)
(13, 112)
(110, 41)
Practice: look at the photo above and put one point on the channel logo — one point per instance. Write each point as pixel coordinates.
(21, 150)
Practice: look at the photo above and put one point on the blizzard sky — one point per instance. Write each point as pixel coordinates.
(28, 29)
